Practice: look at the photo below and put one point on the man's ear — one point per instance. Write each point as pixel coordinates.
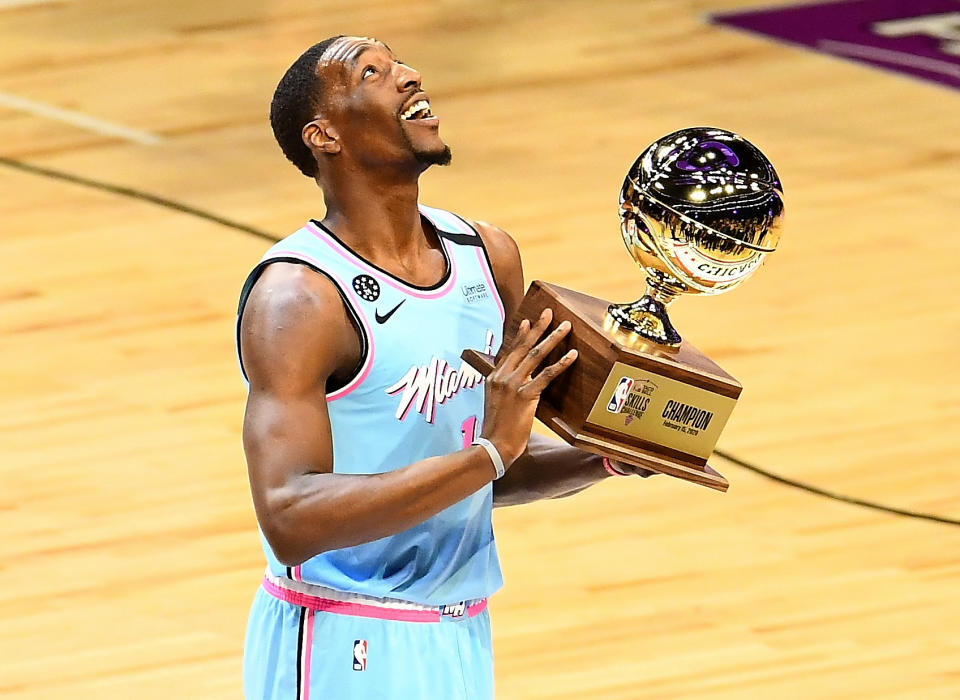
(319, 135)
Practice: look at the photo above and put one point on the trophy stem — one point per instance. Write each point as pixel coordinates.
(647, 316)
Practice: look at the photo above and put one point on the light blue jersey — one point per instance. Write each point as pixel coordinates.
(410, 398)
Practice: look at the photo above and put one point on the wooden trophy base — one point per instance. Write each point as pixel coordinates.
(661, 408)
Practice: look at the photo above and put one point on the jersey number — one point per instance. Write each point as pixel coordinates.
(471, 431)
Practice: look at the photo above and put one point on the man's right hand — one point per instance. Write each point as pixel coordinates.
(512, 391)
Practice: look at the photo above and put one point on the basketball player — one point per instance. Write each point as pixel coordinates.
(375, 455)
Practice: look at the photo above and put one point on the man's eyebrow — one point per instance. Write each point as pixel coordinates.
(353, 61)
(347, 51)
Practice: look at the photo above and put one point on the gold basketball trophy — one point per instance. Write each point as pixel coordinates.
(700, 209)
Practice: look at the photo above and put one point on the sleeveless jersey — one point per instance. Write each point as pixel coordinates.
(411, 397)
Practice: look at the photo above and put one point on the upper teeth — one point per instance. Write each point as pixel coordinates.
(414, 108)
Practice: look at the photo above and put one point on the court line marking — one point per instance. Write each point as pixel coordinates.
(832, 495)
(78, 119)
(12, 4)
(133, 194)
(260, 233)
(900, 58)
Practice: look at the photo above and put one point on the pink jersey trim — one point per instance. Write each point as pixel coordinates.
(339, 607)
(476, 608)
(368, 362)
(307, 655)
(482, 259)
(384, 277)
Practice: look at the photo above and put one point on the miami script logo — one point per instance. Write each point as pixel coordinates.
(425, 387)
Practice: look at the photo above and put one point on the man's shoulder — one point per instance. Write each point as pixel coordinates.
(293, 286)
(504, 256)
(491, 233)
(499, 244)
(293, 328)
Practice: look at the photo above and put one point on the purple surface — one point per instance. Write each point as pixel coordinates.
(928, 47)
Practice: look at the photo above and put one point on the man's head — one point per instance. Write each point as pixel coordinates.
(350, 100)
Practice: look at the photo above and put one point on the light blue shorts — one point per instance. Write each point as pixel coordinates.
(305, 642)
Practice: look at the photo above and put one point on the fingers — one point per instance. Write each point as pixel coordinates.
(527, 336)
(538, 352)
(536, 385)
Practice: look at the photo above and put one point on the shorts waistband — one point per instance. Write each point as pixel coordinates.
(322, 599)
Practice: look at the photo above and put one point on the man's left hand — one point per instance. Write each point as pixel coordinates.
(630, 469)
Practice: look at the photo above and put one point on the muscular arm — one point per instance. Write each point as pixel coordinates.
(295, 335)
(548, 468)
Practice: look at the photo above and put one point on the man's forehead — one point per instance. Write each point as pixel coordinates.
(347, 49)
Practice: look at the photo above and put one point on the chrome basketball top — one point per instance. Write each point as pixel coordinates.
(703, 206)
(700, 209)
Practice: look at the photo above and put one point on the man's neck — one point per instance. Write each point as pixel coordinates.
(381, 222)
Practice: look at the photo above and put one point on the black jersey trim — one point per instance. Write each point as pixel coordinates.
(354, 316)
(482, 247)
(433, 287)
(300, 654)
(461, 238)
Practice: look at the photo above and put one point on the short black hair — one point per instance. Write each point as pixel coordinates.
(295, 103)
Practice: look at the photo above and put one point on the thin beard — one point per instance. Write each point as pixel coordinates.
(442, 158)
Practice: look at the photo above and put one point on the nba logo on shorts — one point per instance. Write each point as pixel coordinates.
(620, 395)
(360, 655)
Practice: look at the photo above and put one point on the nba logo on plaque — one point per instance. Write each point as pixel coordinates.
(620, 395)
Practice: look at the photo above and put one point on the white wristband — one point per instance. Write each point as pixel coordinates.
(494, 456)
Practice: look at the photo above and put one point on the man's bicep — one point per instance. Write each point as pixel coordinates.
(287, 442)
(292, 336)
(285, 437)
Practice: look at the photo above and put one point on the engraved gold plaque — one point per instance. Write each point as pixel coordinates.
(661, 410)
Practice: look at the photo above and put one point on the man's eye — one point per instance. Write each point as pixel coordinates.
(368, 71)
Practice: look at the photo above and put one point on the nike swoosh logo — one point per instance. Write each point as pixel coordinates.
(386, 316)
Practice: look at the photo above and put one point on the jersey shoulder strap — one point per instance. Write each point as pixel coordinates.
(452, 227)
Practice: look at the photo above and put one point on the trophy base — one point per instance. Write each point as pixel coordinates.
(634, 400)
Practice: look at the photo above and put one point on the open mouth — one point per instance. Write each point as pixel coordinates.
(418, 110)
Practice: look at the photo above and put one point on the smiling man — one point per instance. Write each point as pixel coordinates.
(374, 454)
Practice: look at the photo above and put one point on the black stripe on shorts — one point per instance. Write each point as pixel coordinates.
(303, 612)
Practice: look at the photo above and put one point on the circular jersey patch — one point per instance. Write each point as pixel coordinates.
(367, 287)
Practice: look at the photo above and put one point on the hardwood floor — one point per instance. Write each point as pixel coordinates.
(130, 553)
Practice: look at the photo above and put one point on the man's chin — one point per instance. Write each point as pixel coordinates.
(440, 157)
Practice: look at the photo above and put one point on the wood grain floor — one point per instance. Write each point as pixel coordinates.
(129, 554)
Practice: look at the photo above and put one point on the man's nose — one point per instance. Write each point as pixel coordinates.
(407, 78)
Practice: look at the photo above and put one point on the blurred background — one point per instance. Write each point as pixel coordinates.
(139, 178)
